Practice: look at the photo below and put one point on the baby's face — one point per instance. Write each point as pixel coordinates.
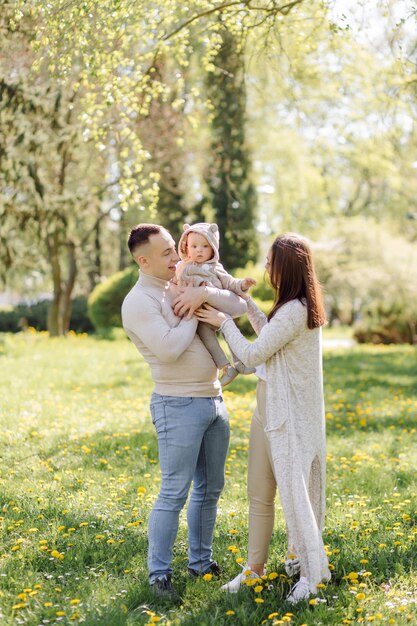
(198, 248)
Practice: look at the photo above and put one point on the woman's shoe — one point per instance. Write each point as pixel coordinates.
(234, 585)
(300, 591)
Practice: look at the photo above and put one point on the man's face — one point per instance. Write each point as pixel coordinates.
(158, 257)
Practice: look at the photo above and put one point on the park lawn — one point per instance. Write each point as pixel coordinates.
(79, 475)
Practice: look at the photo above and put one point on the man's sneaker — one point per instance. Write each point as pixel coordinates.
(213, 568)
(234, 585)
(292, 566)
(300, 591)
(229, 374)
(163, 588)
(242, 369)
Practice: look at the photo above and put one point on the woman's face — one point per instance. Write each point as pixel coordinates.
(268, 262)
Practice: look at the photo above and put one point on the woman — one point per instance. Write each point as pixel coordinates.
(287, 440)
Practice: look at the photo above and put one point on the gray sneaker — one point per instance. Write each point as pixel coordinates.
(228, 375)
(163, 588)
(242, 369)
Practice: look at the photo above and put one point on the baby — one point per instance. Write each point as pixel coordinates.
(198, 249)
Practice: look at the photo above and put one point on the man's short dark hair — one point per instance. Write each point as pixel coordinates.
(140, 234)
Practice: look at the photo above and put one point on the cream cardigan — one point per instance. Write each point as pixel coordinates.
(295, 422)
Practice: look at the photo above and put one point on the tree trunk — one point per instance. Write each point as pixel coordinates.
(66, 302)
(54, 325)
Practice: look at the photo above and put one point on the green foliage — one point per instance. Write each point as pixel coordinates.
(22, 316)
(363, 264)
(231, 191)
(388, 322)
(262, 290)
(243, 323)
(105, 301)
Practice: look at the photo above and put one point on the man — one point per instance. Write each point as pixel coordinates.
(187, 407)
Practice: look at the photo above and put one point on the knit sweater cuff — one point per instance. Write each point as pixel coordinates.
(228, 319)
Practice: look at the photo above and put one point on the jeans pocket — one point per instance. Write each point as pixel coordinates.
(177, 401)
(158, 416)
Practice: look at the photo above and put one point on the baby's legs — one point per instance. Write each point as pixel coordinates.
(208, 336)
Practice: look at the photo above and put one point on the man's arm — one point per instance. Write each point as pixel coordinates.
(222, 299)
(149, 325)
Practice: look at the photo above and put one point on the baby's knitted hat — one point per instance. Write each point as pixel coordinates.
(209, 231)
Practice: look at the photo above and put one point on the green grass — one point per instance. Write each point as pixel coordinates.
(79, 475)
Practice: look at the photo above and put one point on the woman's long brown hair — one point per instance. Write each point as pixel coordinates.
(293, 277)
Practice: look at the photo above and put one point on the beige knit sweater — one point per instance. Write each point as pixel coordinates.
(180, 364)
(295, 422)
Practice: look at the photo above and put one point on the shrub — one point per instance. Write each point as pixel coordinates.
(262, 289)
(19, 317)
(386, 322)
(80, 322)
(106, 299)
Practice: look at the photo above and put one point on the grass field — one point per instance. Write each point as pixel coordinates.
(79, 475)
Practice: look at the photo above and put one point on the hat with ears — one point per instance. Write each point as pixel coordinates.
(209, 231)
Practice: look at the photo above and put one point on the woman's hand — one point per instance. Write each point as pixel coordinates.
(190, 299)
(211, 315)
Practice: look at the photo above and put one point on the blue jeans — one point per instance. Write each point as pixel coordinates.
(193, 438)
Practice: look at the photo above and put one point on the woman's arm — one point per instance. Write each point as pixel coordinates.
(255, 316)
(284, 326)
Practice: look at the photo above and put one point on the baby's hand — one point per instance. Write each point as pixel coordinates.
(246, 283)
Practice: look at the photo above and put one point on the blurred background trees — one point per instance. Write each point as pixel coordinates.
(264, 118)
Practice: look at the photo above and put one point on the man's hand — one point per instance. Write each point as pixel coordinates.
(188, 301)
(211, 315)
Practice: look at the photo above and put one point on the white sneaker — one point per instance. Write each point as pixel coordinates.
(300, 591)
(292, 566)
(234, 585)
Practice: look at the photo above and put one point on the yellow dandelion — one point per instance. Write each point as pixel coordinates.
(272, 615)
(141, 489)
(360, 596)
(47, 604)
(16, 607)
(313, 601)
(75, 601)
(259, 600)
(272, 575)
(60, 613)
(207, 577)
(230, 612)
(57, 555)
